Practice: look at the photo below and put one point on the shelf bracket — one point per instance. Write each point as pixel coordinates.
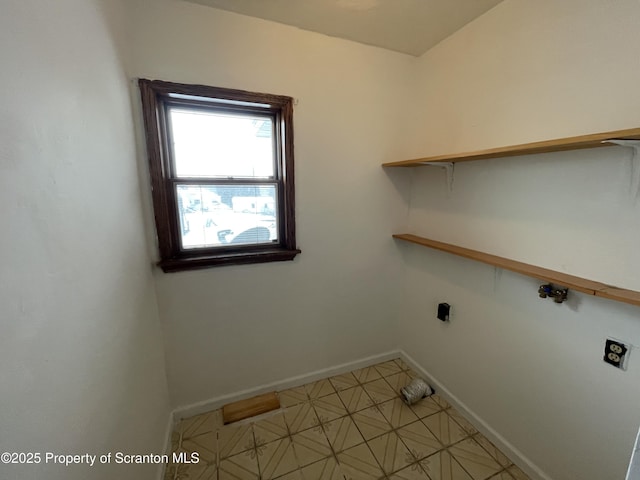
(635, 163)
(448, 166)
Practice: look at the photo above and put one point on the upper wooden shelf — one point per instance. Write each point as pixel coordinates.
(575, 283)
(563, 144)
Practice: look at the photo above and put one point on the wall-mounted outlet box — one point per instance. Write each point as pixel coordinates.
(616, 353)
(443, 311)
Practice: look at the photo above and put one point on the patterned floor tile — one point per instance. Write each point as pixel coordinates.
(440, 401)
(175, 440)
(329, 408)
(327, 469)
(342, 434)
(170, 472)
(475, 459)
(388, 368)
(342, 382)
(379, 391)
(366, 375)
(517, 474)
(397, 413)
(444, 428)
(310, 446)
(197, 471)
(390, 452)
(371, 423)
(233, 439)
(358, 463)
(205, 445)
(352, 426)
(243, 466)
(412, 472)
(466, 425)
(319, 389)
(295, 475)
(402, 364)
(425, 407)
(270, 429)
(300, 417)
(276, 459)
(442, 466)
(293, 396)
(205, 423)
(496, 454)
(355, 399)
(419, 440)
(398, 380)
(504, 475)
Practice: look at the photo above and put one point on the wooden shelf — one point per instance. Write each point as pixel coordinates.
(563, 144)
(562, 279)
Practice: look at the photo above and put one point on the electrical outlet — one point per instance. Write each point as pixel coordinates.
(615, 353)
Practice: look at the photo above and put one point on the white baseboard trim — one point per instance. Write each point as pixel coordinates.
(217, 402)
(166, 448)
(498, 440)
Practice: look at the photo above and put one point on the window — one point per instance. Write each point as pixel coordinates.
(221, 167)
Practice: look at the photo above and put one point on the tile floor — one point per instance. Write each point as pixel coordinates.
(348, 427)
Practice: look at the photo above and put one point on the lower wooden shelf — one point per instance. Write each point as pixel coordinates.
(575, 283)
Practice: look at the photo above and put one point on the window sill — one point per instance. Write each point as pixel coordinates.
(244, 258)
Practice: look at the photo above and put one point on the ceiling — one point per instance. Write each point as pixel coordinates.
(407, 26)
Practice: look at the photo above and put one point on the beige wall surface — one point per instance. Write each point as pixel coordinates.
(531, 369)
(233, 328)
(81, 354)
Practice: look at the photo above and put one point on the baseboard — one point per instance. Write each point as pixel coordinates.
(166, 449)
(498, 440)
(217, 402)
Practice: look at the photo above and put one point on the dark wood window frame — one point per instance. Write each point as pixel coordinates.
(156, 97)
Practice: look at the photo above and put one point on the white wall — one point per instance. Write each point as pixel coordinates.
(81, 361)
(233, 328)
(529, 368)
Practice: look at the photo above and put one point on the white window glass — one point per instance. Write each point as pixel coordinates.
(223, 215)
(221, 145)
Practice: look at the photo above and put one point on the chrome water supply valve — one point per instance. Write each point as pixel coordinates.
(416, 390)
(559, 295)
